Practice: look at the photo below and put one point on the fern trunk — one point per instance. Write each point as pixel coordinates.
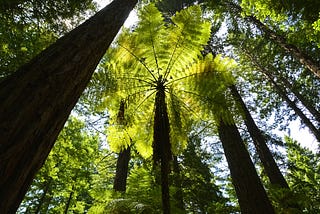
(120, 180)
(250, 192)
(162, 146)
(37, 99)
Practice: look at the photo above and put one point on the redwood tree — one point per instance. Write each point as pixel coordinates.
(272, 170)
(250, 192)
(38, 98)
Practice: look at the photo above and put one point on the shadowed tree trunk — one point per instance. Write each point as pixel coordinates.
(296, 109)
(272, 170)
(161, 143)
(250, 192)
(68, 202)
(298, 54)
(37, 99)
(120, 180)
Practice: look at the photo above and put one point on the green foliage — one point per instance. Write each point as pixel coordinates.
(28, 27)
(142, 195)
(212, 83)
(66, 173)
(154, 51)
(294, 19)
(263, 9)
(168, 50)
(201, 193)
(304, 175)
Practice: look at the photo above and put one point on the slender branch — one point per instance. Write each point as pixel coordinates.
(147, 97)
(154, 50)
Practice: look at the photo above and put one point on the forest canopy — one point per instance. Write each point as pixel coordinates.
(190, 109)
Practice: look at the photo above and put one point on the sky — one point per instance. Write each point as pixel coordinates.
(130, 20)
(303, 136)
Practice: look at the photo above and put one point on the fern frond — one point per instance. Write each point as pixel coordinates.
(211, 82)
(154, 53)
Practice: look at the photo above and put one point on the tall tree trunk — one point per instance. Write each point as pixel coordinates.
(37, 99)
(120, 180)
(161, 144)
(298, 54)
(250, 192)
(315, 131)
(272, 170)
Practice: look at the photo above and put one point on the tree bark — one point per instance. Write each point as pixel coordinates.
(161, 143)
(120, 180)
(250, 192)
(37, 99)
(272, 170)
(298, 54)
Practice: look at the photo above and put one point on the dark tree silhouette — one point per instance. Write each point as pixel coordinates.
(37, 99)
(250, 192)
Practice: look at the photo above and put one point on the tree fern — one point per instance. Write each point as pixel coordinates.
(164, 82)
(152, 51)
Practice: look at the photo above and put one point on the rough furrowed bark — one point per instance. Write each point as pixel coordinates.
(250, 192)
(272, 170)
(37, 99)
(162, 146)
